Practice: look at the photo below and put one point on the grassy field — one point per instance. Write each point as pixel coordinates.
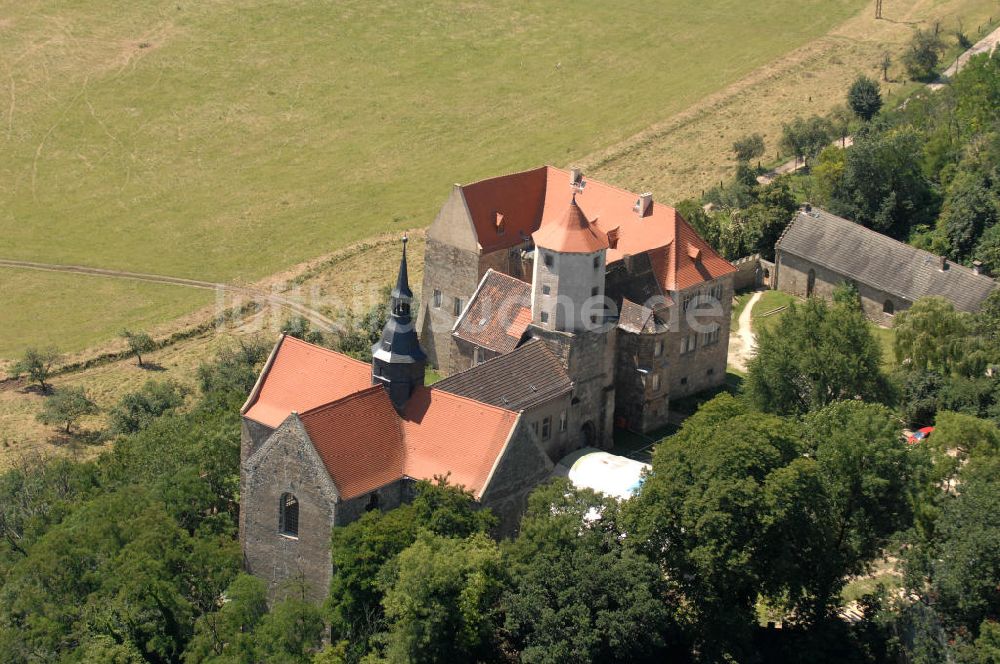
(229, 140)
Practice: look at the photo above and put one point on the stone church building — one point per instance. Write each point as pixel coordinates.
(559, 307)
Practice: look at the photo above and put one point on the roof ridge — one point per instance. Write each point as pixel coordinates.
(462, 398)
(504, 175)
(611, 186)
(296, 340)
(330, 404)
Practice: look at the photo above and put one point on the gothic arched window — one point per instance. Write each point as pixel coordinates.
(288, 520)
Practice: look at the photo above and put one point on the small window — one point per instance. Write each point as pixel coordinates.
(437, 299)
(597, 262)
(710, 372)
(546, 290)
(546, 428)
(684, 380)
(687, 302)
(548, 260)
(288, 520)
(372, 502)
(889, 308)
(545, 317)
(534, 427)
(459, 305)
(710, 338)
(478, 356)
(656, 382)
(658, 348)
(562, 421)
(593, 320)
(688, 343)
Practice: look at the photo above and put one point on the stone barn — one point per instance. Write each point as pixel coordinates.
(819, 251)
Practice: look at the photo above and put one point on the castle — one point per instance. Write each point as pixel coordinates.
(560, 308)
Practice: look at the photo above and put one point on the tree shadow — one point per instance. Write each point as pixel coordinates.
(892, 20)
(34, 388)
(77, 439)
(152, 366)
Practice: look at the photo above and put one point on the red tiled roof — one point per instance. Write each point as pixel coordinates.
(360, 440)
(525, 199)
(365, 444)
(448, 433)
(498, 313)
(301, 376)
(570, 232)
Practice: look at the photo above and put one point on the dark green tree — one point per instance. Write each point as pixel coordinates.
(749, 147)
(139, 342)
(987, 250)
(922, 55)
(864, 98)
(805, 137)
(66, 406)
(969, 208)
(225, 635)
(932, 335)
(300, 328)
(37, 365)
(440, 598)
(136, 410)
(818, 354)
(882, 185)
(706, 515)
(291, 633)
(579, 591)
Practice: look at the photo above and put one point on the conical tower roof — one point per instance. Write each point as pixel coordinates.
(402, 289)
(570, 233)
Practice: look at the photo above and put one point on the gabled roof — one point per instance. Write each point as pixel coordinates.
(525, 199)
(300, 376)
(636, 318)
(363, 442)
(570, 232)
(874, 259)
(525, 377)
(497, 314)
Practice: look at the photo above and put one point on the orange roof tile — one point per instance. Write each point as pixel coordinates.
(448, 433)
(359, 439)
(570, 232)
(300, 377)
(365, 444)
(520, 323)
(525, 199)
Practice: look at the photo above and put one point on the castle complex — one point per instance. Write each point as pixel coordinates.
(559, 308)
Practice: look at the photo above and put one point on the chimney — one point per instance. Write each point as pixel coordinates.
(613, 237)
(644, 204)
(575, 176)
(807, 207)
(944, 263)
(977, 267)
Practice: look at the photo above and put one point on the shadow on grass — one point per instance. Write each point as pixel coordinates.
(77, 439)
(152, 366)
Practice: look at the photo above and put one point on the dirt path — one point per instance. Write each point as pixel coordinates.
(984, 45)
(270, 298)
(741, 341)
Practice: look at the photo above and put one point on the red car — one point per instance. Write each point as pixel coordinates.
(919, 435)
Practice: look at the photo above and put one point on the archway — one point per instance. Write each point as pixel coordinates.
(811, 283)
(889, 308)
(588, 434)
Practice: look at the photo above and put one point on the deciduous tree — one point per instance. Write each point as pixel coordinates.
(864, 98)
(139, 342)
(37, 365)
(66, 407)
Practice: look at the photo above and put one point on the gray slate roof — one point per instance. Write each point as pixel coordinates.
(879, 261)
(525, 377)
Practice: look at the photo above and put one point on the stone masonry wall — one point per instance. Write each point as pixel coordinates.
(705, 367)
(638, 406)
(521, 468)
(287, 463)
(793, 277)
(455, 272)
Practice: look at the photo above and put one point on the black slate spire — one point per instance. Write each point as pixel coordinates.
(398, 361)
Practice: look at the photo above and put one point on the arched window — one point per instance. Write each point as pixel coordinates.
(811, 283)
(889, 308)
(288, 520)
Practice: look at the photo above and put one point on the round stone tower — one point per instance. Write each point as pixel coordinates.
(568, 278)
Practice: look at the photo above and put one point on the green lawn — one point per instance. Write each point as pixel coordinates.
(231, 139)
(38, 308)
(768, 302)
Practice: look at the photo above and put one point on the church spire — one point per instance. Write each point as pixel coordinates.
(398, 361)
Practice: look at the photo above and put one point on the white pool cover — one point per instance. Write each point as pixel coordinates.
(610, 474)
